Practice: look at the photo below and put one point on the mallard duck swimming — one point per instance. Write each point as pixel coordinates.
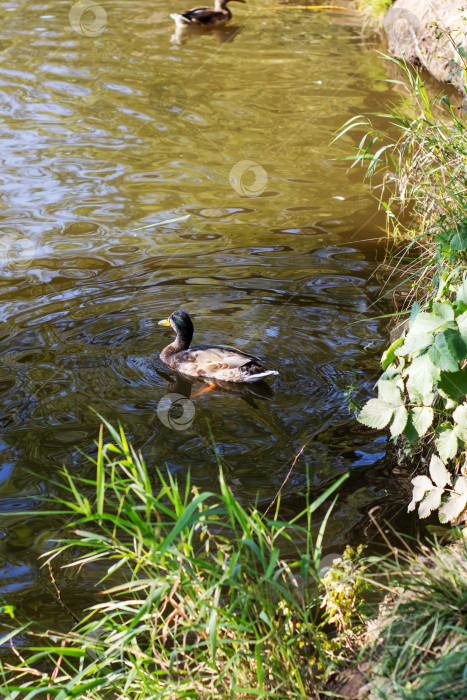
(204, 16)
(219, 362)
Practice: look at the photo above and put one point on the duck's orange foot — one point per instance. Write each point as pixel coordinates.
(207, 388)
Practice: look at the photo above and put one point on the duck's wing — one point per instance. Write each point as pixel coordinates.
(209, 360)
(235, 350)
(200, 16)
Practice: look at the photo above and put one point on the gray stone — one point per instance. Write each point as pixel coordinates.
(416, 31)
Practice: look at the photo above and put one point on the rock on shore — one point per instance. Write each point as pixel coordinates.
(415, 32)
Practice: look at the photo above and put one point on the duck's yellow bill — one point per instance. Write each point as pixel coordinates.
(164, 322)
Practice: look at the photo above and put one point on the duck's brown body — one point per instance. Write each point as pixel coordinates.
(204, 16)
(209, 361)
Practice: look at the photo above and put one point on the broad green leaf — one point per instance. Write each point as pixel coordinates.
(459, 240)
(393, 371)
(431, 502)
(461, 485)
(453, 507)
(453, 385)
(428, 399)
(420, 335)
(422, 418)
(438, 472)
(461, 292)
(389, 405)
(376, 413)
(421, 484)
(441, 355)
(425, 322)
(409, 431)
(399, 421)
(451, 342)
(389, 391)
(460, 416)
(415, 342)
(444, 311)
(390, 354)
(414, 311)
(422, 376)
(8, 610)
(400, 384)
(443, 363)
(462, 325)
(446, 444)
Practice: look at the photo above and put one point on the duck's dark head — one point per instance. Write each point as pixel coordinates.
(183, 327)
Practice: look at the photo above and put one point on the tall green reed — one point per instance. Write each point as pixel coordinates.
(199, 599)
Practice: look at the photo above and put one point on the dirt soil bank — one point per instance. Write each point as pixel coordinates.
(413, 28)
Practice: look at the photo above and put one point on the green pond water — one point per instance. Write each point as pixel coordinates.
(110, 123)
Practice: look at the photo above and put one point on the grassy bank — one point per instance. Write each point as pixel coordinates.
(197, 600)
(416, 649)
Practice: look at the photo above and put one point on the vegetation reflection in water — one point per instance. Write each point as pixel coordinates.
(106, 134)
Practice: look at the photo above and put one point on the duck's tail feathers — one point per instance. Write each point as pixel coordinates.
(180, 20)
(261, 375)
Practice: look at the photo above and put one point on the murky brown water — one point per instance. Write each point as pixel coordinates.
(109, 133)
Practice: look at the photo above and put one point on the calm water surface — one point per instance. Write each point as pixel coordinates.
(106, 134)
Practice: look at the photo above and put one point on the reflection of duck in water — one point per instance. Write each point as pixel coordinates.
(222, 34)
(248, 392)
(204, 16)
(220, 363)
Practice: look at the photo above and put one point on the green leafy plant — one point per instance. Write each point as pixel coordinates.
(429, 491)
(421, 395)
(344, 584)
(423, 388)
(350, 395)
